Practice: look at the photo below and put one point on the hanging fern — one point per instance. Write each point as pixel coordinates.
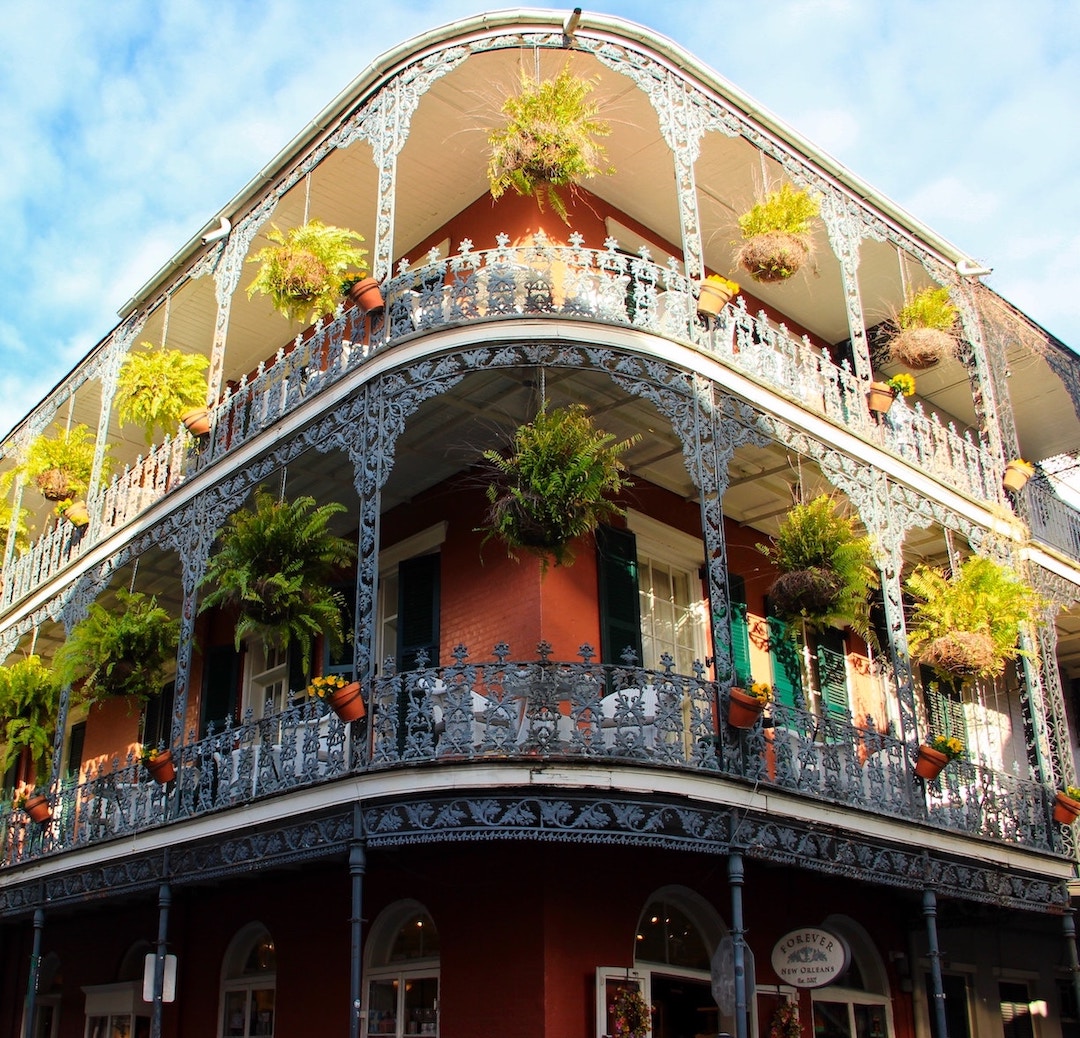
(157, 385)
(275, 565)
(553, 484)
(549, 140)
(29, 704)
(968, 624)
(826, 568)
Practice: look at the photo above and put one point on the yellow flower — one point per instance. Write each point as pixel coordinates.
(761, 691)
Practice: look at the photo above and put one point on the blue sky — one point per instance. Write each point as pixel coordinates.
(125, 126)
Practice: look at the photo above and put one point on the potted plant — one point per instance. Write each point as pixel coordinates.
(35, 802)
(549, 140)
(1017, 473)
(159, 387)
(120, 650)
(29, 704)
(1067, 805)
(342, 696)
(882, 394)
(785, 1021)
(776, 234)
(305, 270)
(364, 292)
(745, 705)
(967, 624)
(826, 568)
(934, 755)
(275, 565)
(553, 484)
(924, 329)
(631, 1015)
(60, 465)
(159, 762)
(714, 293)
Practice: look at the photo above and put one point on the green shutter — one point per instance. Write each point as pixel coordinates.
(221, 686)
(620, 608)
(832, 674)
(740, 631)
(418, 611)
(786, 664)
(944, 706)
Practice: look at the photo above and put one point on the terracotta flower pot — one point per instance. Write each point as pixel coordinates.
(76, 513)
(367, 294)
(713, 297)
(880, 397)
(161, 768)
(930, 763)
(1066, 809)
(196, 421)
(1017, 473)
(37, 807)
(743, 708)
(348, 703)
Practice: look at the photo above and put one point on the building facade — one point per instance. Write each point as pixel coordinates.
(545, 803)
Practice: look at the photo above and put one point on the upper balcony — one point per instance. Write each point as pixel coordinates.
(568, 287)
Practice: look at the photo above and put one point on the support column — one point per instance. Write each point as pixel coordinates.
(357, 868)
(738, 948)
(164, 901)
(938, 992)
(1068, 925)
(31, 982)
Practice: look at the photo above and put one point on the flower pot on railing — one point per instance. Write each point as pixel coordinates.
(930, 763)
(743, 708)
(37, 807)
(714, 294)
(161, 767)
(77, 514)
(1066, 809)
(880, 397)
(196, 421)
(367, 294)
(1017, 473)
(348, 702)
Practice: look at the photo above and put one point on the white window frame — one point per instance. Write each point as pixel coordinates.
(621, 975)
(243, 941)
(662, 543)
(265, 668)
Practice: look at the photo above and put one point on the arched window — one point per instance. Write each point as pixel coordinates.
(857, 1003)
(676, 936)
(248, 982)
(402, 996)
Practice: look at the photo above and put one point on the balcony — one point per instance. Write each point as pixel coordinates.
(538, 281)
(579, 714)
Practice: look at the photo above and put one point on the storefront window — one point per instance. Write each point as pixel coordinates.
(402, 995)
(249, 985)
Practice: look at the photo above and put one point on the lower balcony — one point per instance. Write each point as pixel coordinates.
(579, 714)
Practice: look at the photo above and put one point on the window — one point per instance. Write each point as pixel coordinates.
(857, 1003)
(402, 994)
(408, 604)
(1015, 1009)
(944, 706)
(249, 982)
(956, 989)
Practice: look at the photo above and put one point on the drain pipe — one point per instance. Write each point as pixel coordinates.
(357, 868)
(32, 980)
(938, 993)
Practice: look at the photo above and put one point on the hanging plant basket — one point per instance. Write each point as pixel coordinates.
(813, 592)
(348, 702)
(776, 234)
(743, 708)
(775, 256)
(921, 348)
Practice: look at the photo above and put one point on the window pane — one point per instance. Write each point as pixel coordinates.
(417, 939)
(668, 935)
(421, 1001)
(870, 1022)
(262, 1017)
(236, 1013)
(831, 1020)
(1015, 1013)
(382, 1007)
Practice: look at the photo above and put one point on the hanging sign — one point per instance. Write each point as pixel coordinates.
(809, 958)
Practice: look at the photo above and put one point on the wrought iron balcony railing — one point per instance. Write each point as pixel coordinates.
(582, 714)
(513, 282)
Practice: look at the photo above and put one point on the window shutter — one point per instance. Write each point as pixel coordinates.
(221, 679)
(944, 706)
(620, 609)
(832, 674)
(786, 664)
(740, 631)
(418, 611)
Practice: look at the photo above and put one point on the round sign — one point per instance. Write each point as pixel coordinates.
(809, 958)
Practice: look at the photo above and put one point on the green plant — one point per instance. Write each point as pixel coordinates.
(305, 271)
(949, 745)
(551, 486)
(1072, 792)
(274, 565)
(60, 466)
(929, 308)
(967, 624)
(549, 140)
(902, 384)
(776, 234)
(29, 704)
(157, 385)
(826, 568)
(7, 511)
(120, 650)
